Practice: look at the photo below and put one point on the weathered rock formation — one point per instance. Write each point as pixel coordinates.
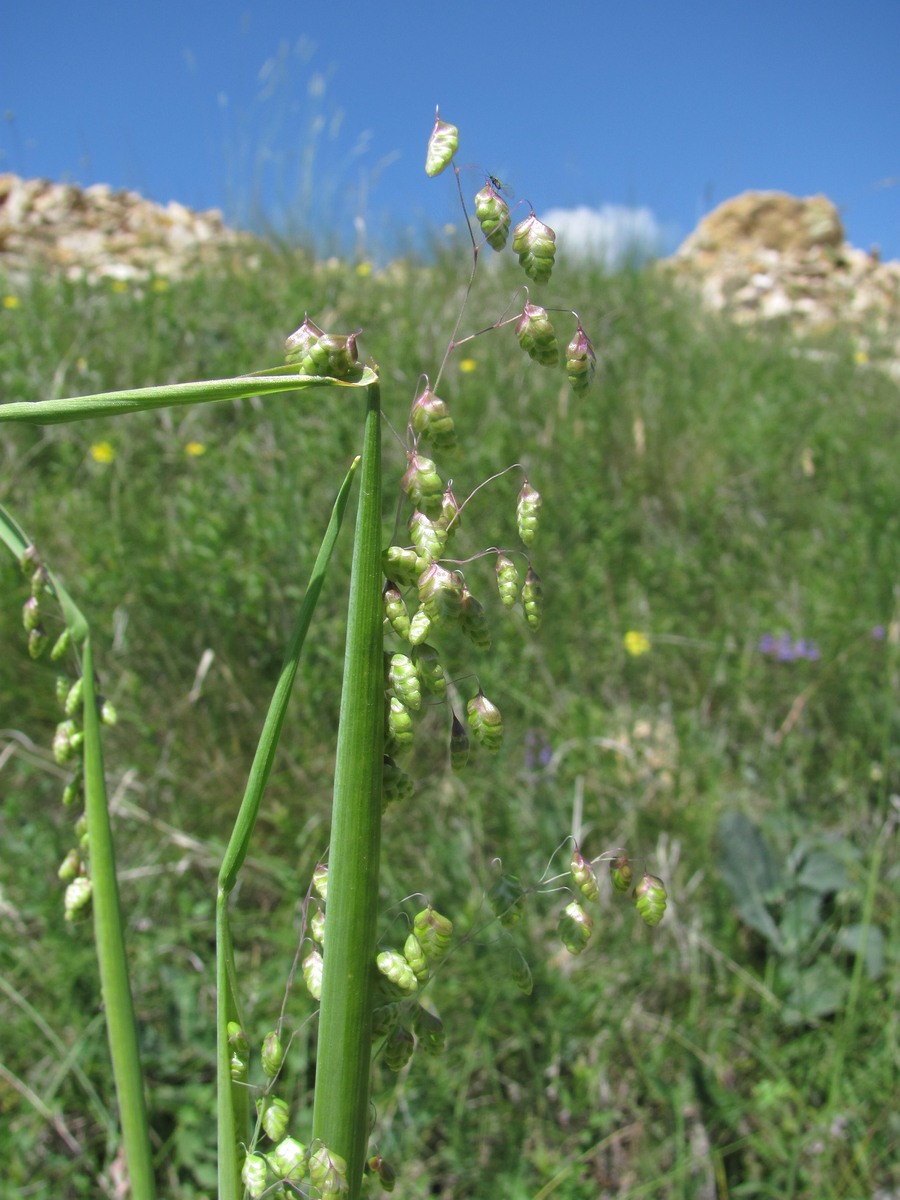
(99, 233)
(767, 255)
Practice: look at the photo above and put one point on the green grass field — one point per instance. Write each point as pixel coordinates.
(717, 487)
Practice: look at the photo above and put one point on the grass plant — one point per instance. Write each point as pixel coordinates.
(716, 492)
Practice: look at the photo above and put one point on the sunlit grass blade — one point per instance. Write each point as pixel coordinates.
(233, 1098)
(107, 404)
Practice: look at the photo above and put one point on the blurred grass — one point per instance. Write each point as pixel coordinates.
(716, 485)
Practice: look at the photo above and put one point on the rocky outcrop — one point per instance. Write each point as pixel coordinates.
(98, 233)
(768, 255)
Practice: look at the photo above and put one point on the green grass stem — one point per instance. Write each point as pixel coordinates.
(115, 986)
(340, 1117)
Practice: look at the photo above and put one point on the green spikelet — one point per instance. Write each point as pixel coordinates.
(398, 1049)
(240, 1050)
(621, 873)
(485, 721)
(399, 728)
(31, 614)
(575, 928)
(429, 1029)
(61, 645)
(507, 900)
(459, 744)
(423, 484)
(440, 593)
(312, 967)
(434, 931)
(473, 620)
(332, 355)
(507, 581)
(650, 898)
(289, 1160)
(73, 699)
(535, 244)
(583, 874)
(533, 599)
(328, 1171)
(395, 610)
(537, 336)
(415, 956)
(528, 509)
(431, 671)
(320, 881)
(419, 627)
(396, 785)
(428, 537)
(450, 512)
(316, 927)
(69, 867)
(67, 741)
(580, 362)
(443, 143)
(300, 343)
(38, 641)
(403, 564)
(253, 1175)
(274, 1115)
(431, 421)
(272, 1054)
(492, 212)
(396, 970)
(77, 901)
(403, 680)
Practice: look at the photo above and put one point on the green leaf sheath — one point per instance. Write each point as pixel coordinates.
(341, 1115)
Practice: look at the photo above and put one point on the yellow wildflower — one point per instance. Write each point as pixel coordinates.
(468, 365)
(861, 357)
(160, 284)
(636, 643)
(102, 452)
(363, 269)
(11, 302)
(119, 285)
(195, 449)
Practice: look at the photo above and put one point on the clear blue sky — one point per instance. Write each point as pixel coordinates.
(669, 106)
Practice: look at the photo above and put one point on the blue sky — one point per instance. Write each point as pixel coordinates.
(316, 113)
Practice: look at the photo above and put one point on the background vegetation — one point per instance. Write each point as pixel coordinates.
(717, 487)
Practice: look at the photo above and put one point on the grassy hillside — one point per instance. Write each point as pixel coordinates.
(719, 492)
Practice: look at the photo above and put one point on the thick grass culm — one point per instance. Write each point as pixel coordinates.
(719, 556)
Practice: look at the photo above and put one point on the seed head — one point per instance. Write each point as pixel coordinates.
(533, 599)
(621, 873)
(537, 336)
(485, 721)
(535, 244)
(289, 1160)
(274, 1114)
(272, 1054)
(434, 931)
(431, 421)
(253, 1175)
(492, 212)
(395, 611)
(650, 898)
(528, 508)
(583, 874)
(395, 968)
(442, 145)
(575, 928)
(580, 362)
